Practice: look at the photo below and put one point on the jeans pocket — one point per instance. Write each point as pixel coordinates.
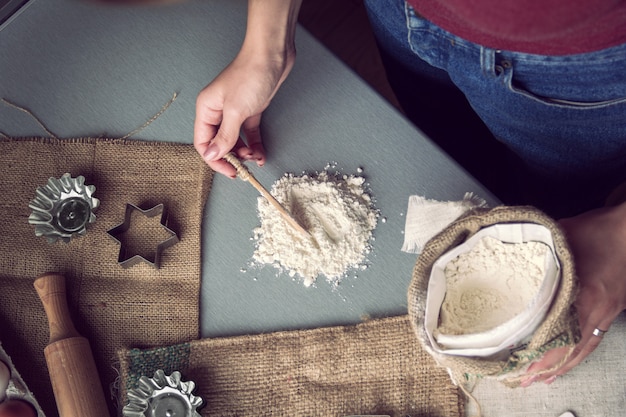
(518, 88)
(426, 39)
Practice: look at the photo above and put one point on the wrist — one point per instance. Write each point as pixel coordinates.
(270, 30)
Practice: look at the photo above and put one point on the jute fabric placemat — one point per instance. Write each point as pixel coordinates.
(111, 306)
(376, 367)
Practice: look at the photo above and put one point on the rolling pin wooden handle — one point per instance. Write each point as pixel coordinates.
(73, 372)
(51, 290)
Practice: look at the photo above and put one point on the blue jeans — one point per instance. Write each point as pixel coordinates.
(563, 116)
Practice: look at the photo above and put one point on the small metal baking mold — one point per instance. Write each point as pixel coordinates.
(163, 396)
(140, 244)
(63, 208)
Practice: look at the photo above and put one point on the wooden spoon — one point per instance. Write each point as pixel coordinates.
(244, 174)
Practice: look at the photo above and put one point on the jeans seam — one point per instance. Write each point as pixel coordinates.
(604, 56)
(563, 104)
(455, 41)
(408, 25)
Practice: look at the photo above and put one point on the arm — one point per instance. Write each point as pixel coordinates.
(234, 100)
(598, 242)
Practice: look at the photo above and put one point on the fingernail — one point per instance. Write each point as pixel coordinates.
(528, 382)
(550, 380)
(211, 152)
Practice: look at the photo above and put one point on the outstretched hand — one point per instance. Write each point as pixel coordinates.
(233, 103)
(598, 243)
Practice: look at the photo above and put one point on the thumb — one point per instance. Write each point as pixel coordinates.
(225, 139)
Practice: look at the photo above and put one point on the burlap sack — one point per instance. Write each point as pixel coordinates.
(113, 307)
(373, 368)
(559, 328)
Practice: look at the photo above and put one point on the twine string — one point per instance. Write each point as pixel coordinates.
(152, 119)
(52, 135)
(470, 397)
(242, 170)
(564, 359)
(31, 114)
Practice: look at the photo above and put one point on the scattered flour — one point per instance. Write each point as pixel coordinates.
(337, 212)
(490, 284)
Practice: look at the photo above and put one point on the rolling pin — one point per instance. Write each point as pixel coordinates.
(73, 373)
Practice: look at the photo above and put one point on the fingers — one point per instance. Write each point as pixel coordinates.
(212, 147)
(254, 151)
(207, 121)
(558, 361)
(213, 142)
(549, 360)
(588, 343)
(596, 239)
(594, 312)
(232, 104)
(552, 364)
(216, 131)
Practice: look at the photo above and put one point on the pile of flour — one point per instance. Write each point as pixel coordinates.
(337, 212)
(490, 284)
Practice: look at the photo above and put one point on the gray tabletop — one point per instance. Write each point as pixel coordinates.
(89, 70)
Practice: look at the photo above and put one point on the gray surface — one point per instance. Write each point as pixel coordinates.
(323, 114)
(86, 69)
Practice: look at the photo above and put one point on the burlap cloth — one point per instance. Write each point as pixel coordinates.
(559, 328)
(113, 307)
(376, 367)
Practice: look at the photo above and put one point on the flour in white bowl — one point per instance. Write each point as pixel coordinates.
(491, 284)
(338, 213)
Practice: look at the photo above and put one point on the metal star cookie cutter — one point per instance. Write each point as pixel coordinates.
(163, 396)
(63, 208)
(126, 259)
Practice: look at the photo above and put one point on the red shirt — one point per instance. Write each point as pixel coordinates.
(547, 27)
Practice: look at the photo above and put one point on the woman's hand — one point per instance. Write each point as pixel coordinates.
(234, 101)
(598, 243)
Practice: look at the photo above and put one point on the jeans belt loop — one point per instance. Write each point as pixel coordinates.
(488, 61)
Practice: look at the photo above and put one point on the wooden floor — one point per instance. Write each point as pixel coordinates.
(342, 26)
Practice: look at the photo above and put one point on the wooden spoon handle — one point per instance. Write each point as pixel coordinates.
(246, 175)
